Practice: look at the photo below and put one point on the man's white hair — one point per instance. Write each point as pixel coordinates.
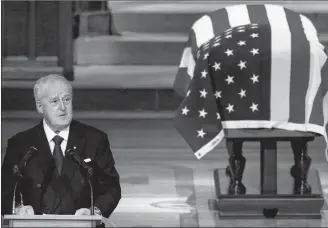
(42, 84)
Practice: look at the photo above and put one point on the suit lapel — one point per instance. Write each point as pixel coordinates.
(45, 159)
(45, 163)
(75, 140)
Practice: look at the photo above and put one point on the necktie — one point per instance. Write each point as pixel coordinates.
(58, 154)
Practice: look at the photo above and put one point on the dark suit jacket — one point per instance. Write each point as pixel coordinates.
(49, 193)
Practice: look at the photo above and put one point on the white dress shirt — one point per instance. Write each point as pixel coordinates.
(50, 134)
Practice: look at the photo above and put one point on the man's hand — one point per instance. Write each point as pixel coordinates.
(24, 210)
(86, 211)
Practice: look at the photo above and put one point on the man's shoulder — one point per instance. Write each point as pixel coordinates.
(25, 134)
(88, 129)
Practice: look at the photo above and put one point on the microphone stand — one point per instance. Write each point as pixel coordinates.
(89, 174)
(17, 173)
(70, 153)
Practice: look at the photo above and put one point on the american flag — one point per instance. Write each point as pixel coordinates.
(297, 29)
(254, 76)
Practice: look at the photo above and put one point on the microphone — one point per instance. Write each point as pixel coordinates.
(75, 157)
(17, 171)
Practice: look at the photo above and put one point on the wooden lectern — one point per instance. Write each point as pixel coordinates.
(53, 220)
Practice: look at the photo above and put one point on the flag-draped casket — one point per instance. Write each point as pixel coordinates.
(251, 66)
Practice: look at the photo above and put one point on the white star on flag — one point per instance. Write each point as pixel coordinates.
(229, 52)
(204, 73)
(201, 133)
(229, 79)
(185, 110)
(202, 113)
(254, 107)
(242, 93)
(241, 43)
(203, 93)
(218, 117)
(230, 108)
(255, 78)
(242, 64)
(218, 94)
(255, 51)
(254, 35)
(217, 66)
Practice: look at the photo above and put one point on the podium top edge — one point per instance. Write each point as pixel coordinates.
(53, 217)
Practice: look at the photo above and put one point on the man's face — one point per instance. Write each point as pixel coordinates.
(56, 105)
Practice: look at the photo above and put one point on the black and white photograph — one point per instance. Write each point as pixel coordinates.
(155, 113)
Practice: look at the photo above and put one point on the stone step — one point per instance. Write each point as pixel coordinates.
(135, 49)
(99, 99)
(110, 77)
(106, 88)
(130, 49)
(209, 5)
(28, 72)
(178, 16)
(99, 115)
(20, 67)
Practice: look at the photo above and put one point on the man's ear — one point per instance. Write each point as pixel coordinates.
(39, 107)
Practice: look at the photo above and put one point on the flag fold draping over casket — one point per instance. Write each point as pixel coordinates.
(259, 66)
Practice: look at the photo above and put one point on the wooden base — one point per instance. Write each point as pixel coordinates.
(284, 204)
(53, 220)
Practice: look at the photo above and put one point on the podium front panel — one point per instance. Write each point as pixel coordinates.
(52, 221)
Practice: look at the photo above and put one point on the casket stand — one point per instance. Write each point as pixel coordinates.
(269, 192)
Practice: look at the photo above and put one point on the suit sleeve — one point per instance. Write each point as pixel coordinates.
(108, 190)
(7, 180)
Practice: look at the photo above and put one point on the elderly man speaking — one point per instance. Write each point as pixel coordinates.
(52, 152)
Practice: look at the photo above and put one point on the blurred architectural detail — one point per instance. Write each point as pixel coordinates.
(138, 67)
(36, 39)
